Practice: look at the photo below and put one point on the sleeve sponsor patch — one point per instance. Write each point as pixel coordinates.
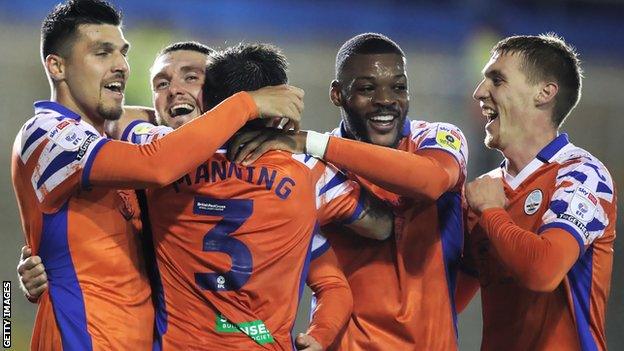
(144, 129)
(575, 222)
(448, 138)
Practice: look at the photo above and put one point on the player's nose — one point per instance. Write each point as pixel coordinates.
(480, 92)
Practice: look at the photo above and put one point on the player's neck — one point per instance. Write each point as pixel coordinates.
(66, 99)
(525, 148)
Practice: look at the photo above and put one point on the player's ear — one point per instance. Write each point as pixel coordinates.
(546, 94)
(335, 93)
(55, 66)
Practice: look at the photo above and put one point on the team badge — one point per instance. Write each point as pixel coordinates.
(448, 139)
(533, 202)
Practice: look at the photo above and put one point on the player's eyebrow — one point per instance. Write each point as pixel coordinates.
(495, 73)
(109, 47)
(364, 78)
(398, 76)
(159, 75)
(192, 68)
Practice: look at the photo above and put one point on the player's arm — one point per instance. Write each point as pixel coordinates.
(342, 201)
(430, 171)
(563, 236)
(69, 155)
(554, 251)
(32, 276)
(467, 287)
(334, 301)
(166, 159)
(375, 221)
(468, 275)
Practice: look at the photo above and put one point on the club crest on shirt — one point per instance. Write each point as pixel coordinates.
(533, 202)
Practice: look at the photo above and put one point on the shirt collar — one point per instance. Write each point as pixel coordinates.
(550, 150)
(40, 106)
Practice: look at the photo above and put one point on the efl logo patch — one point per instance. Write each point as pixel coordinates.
(448, 139)
(583, 204)
(67, 138)
(533, 202)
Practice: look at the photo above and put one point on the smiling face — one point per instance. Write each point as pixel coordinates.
(177, 81)
(95, 71)
(373, 92)
(507, 100)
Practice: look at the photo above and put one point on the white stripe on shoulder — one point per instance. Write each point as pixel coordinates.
(34, 132)
(307, 160)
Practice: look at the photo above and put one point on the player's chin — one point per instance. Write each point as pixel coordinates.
(179, 121)
(383, 139)
(490, 141)
(112, 112)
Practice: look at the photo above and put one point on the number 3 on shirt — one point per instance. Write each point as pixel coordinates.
(234, 212)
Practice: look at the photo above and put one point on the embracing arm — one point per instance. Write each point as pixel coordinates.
(166, 159)
(428, 172)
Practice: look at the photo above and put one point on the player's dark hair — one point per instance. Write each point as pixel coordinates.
(548, 57)
(59, 26)
(365, 43)
(187, 46)
(243, 67)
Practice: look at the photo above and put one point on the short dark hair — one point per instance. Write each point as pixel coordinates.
(243, 67)
(365, 43)
(545, 57)
(187, 46)
(59, 26)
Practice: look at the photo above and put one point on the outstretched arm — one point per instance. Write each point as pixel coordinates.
(428, 172)
(166, 159)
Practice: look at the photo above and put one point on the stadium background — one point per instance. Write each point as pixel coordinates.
(446, 42)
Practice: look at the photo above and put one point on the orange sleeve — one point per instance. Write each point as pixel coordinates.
(334, 301)
(124, 165)
(425, 172)
(467, 287)
(554, 250)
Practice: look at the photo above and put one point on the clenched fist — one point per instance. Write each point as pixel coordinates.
(485, 192)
